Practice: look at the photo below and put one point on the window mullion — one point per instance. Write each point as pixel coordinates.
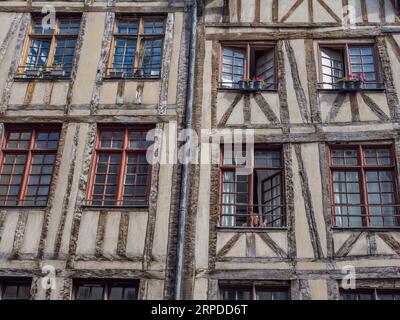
(120, 187)
(364, 186)
(248, 61)
(250, 180)
(28, 165)
(122, 171)
(93, 168)
(138, 45)
(250, 194)
(53, 45)
(347, 59)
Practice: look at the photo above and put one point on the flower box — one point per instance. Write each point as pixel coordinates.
(32, 73)
(349, 85)
(351, 82)
(57, 72)
(251, 85)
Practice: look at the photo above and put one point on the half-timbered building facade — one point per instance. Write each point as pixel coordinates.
(83, 214)
(319, 198)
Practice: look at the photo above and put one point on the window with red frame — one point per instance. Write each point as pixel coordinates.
(363, 186)
(27, 163)
(251, 190)
(121, 172)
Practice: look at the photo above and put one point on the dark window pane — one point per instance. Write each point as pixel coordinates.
(16, 291)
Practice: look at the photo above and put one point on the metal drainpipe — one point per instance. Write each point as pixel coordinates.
(184, 194)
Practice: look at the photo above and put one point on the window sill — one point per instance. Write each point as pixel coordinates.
(45, 79)
(374, 229)
(141, 79)
(250, 229)
(23, 207)
(115, 208)
(220, 89)
(352, 90)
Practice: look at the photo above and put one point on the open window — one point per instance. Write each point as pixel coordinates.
(248, 66)
(252, 191)
(49, 52)
(349, 67)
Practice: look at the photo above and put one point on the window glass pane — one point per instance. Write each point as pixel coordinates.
(235, 192)
(106, 178)
(265, 65)
(11, 178)
(382, 295)
(19, 140)
(346, 194)
(267, 209)
(345, 157)
(280, 295)
(123, 293)
(362, 62)
(130, 293)
(16, 291)
(69, 26)
(358, 296)
(239, 156)
(153, 26)
(47, 139)
(38, 54)
(229, 295)
(127, 26)
(332, 65)
(24, 291)
(124, 56)
(90, 292)
(39, 179)
(264, 294)
(64, 55)
(111, 139)
(377, 156)
(37, 27)
(10, 292)
(245, 295)
(267, 158)
(150, 57)
(233, 64)
(116, 293)
(380, 190)
(136, 181)
(96, 293)
(137, 140)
